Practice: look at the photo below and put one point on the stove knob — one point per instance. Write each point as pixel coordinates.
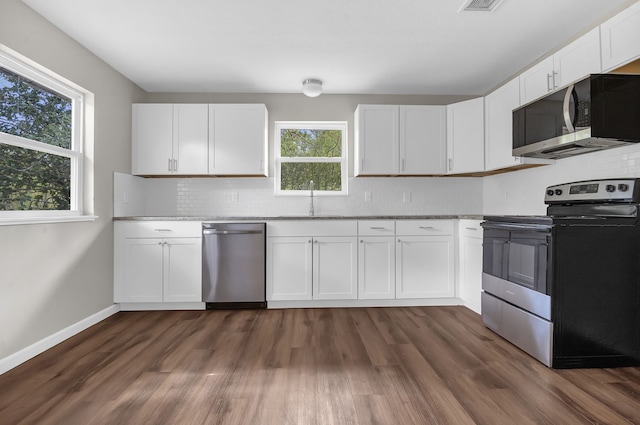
(558, 192)
(623, 187)
(610, 188)
(550, 192)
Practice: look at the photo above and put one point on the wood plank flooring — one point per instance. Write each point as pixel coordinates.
(419, 365)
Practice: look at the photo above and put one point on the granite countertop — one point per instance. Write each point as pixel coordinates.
(304, 217)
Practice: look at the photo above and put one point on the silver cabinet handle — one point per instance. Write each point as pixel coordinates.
(175, 165)
(450, 164)
(315, 241)
(162, 230)
(555, 83)
(427, 228)
(549, 82)
(309, 241)
(376, 228)
(361, 241)
(169, 164)
(402, 164)
(471, 228)
(399, 240)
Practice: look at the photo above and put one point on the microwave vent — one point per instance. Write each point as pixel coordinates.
(480, 5)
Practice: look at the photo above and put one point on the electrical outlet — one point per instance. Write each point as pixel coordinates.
(406, 197)
(234, 196)
(367, 197)
(125, 197)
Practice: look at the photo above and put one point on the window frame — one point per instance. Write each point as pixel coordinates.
(51, 82)
(311, 125)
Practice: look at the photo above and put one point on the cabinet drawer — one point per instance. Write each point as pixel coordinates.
(424, 227)
(159, 229)
(470, 228)
(313, 227)
(376, 228)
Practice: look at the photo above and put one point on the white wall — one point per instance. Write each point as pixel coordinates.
(522, 192)
(55, 275)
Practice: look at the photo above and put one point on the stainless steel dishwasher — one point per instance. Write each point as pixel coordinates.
(233, 265)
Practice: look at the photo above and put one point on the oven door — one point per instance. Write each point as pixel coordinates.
(517, 253)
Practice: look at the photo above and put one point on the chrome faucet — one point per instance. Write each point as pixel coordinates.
(311, 198)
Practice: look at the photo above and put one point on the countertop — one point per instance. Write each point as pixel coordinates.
(303, 217)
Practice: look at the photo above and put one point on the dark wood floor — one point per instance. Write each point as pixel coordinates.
(426, 365)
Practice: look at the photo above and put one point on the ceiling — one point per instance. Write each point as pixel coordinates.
(353, 46)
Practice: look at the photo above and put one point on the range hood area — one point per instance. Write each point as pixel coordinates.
(599, 112)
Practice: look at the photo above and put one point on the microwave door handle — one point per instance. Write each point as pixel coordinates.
(574, 95)
(565, 108)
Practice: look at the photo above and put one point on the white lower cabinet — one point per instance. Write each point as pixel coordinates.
(313, 260)
(157, 262)
(470, 254)
(376, 260)
(425, 259)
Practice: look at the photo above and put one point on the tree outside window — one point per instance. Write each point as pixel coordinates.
(311, 151)
(39, 162)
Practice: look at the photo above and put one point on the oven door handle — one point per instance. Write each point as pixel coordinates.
(516, 226)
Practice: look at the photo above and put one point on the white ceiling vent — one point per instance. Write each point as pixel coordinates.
(480, 5)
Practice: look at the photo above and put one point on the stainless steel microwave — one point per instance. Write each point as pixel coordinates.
(599, 112)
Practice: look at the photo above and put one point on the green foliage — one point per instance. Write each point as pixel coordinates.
(30, 179)
(298, 143)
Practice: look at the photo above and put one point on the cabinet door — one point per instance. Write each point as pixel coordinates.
(465, 136)
(498, 109)
(237, 139)
(424, 267)
(152, 139)
(620, 36)
(289, 268)
(183, 270)
(536, 81)
(376, 267)
(578, 59)
(190, 136)
(423, 139)
(142, 263)
(335, 268)
(471, 272)
(376, 140)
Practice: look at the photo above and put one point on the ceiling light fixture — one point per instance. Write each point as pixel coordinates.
(312, 88)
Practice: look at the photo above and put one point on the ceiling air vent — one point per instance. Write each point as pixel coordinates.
(480, 5)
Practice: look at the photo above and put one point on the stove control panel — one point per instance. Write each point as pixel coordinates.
(594, 191)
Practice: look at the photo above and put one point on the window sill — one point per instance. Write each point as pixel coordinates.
(13, 221)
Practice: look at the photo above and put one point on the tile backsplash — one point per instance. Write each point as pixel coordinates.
(250, 196)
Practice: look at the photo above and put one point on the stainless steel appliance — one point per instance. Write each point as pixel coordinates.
(598, 112)
(565, 287)
(233, 265)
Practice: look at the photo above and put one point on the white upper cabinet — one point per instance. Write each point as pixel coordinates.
(199, 139)
(400, 139)
(498, 126)
(376, 140)
(576, 60)
(620, 37)
(169, 139)
(423, 139)
(238, 139)
(465, 136)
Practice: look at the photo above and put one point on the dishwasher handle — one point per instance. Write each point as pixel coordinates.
(231, 232)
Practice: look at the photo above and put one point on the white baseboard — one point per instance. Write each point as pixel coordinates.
(409, 302)
(44, 344)
(162, 306)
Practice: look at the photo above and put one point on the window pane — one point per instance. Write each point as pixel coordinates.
(296, 176)
(34, 112)
(33, 180)
(310, 143)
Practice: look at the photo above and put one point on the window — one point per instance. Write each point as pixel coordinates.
(311, 151)
(41, 158)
